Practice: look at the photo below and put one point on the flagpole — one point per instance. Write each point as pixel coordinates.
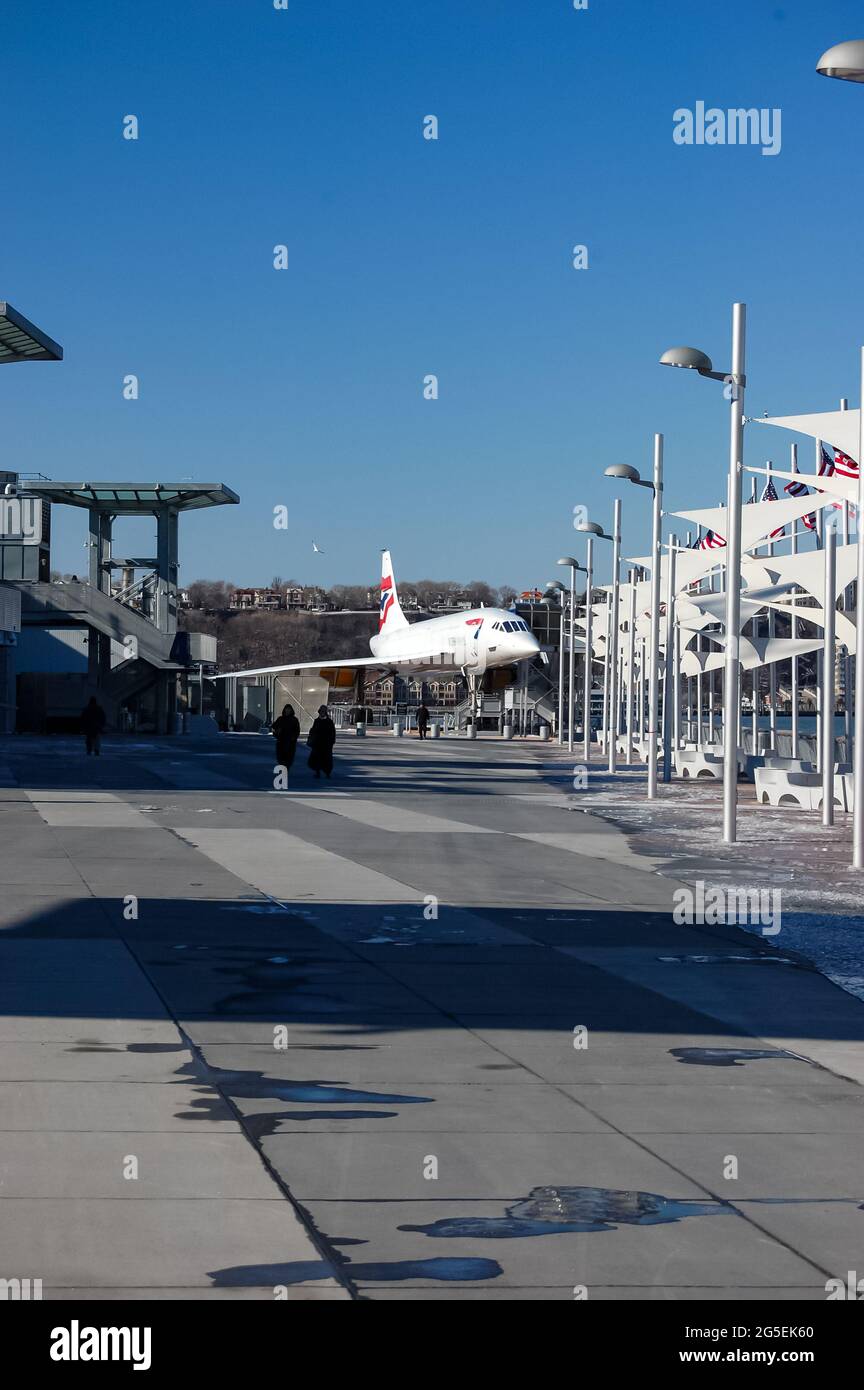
(670, 661)
(820, 532)
(589, 656)
(828, 694)
(794, 630)
(631, 666)
(755, 683)
(858, 731)
(700, 647)
(845, 605)
(772, 669)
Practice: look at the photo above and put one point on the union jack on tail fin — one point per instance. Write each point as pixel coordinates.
(390, 616)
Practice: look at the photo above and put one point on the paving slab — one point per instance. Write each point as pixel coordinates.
(61, 1107)
(86, 1242)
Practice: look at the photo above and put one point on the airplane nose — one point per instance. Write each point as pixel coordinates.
(529, 646)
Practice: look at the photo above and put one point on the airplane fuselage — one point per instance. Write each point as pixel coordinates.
(475, 640)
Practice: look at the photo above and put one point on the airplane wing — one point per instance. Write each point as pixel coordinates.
(328, 668)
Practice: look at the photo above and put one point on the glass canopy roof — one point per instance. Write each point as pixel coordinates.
(132, 497)
(22, 341)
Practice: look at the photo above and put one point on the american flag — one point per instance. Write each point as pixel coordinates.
(769, 494)
(844, 465)
(712, 540)
(799, 489)
(826, 463)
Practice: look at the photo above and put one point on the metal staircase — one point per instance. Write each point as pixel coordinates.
(77, 604)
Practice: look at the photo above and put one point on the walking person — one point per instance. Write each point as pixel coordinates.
(92, 723)
(286, 731)
(422, 720)
(322, 737)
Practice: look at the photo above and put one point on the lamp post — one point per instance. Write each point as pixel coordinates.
(734, 383)
(556, 587)
(571, 678)
(631, 475)
(846, 61)
(591, 529)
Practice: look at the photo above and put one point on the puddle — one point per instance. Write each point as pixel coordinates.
(256, 1084)
(302, 1271)
(729, 1056)
(752, 959)
(561, 1210)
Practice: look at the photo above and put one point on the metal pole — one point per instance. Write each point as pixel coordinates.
(820, 532)
(586, 707)
(772, 668)
(631, 666)
(640, 693)
(858, 730)
(844, 605)
(560, 670)
(794, 627)
(654, 653)
(828, 669)
(605, 726)
(614, 700)
(668, 699)
(571, 683)
(732, 665)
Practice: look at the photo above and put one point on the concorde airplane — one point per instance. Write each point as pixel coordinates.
(472, 642)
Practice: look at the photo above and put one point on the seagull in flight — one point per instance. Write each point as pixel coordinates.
(317, 549)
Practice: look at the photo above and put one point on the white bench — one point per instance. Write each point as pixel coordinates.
(696, 762)
(779, 786)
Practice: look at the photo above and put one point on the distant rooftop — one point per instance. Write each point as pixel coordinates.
(132, 497)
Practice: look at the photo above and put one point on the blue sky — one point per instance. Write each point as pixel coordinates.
(407, 257)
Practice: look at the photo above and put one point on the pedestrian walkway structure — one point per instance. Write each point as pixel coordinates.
(127, 605)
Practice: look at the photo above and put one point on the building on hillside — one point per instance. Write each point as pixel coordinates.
(256, 598)
(317, 600)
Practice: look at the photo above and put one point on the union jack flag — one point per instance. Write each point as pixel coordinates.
(386, 599)
(769, 494)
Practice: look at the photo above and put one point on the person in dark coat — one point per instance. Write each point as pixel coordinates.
(422, 721)
(321, 738)
(286, 731)
(93, 722)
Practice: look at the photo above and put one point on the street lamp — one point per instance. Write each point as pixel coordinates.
(735, 382)
(632, 475)
(555, 586)
(571, 678)
(846, 61)
(593, 528)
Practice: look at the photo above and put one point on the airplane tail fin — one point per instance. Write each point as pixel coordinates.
(391, 616)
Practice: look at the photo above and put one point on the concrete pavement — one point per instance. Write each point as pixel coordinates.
(421, 1032)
